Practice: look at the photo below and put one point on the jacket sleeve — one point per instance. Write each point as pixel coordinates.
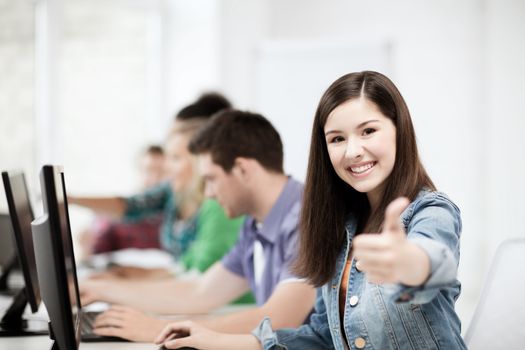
(314, 335)
(435, 226)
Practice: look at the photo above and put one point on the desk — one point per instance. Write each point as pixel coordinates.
(44, 343)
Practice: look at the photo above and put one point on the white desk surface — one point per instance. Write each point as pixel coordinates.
(44, 343)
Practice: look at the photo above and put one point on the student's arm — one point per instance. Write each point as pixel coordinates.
(202, 338)
(390, 257)
(288, 307)
(314, 335)
(151, 201)
(135, 207)
(291, 300)
(421, 261)
(114, 206)
(215, 288)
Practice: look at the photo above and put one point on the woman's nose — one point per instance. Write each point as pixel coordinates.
(354, 149)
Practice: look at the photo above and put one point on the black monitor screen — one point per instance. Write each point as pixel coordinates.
(68, 247)
(21, 215)
(69, 257)
(55, 208)
(7, 244)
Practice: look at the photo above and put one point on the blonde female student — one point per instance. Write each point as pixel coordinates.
(376, 237)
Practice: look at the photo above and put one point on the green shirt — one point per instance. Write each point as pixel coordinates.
(215, 235)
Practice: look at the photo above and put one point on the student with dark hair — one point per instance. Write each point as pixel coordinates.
(234, 134)
(376, 237)
(206, 105)
(241, 159)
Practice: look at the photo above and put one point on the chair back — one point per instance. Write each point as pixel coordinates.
(499, 319)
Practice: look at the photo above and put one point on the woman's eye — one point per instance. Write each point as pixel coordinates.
(337, 139)
(368, 131)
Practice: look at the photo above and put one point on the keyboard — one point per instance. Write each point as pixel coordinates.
(86, 329)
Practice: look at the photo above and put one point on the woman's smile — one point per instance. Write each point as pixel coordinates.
(361, 170)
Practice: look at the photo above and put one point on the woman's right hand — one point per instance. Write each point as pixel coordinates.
(190, 334)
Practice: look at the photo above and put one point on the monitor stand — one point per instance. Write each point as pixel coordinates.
(13, 325)
(54, 346)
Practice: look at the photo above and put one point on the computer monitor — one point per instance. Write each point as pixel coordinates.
(21, 215)
(56, 261)
(8, 256)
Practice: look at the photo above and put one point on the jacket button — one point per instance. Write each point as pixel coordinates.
(357, 265)
(359, 343)
(354, 299)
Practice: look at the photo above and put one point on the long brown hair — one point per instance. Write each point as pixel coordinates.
(328, 201)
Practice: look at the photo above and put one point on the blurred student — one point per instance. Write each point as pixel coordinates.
(152, 167)
(376, 237)
(241, 158)
(106, 235)
(195, 235)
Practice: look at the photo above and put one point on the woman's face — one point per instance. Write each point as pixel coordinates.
(179, 162)
(361, 142)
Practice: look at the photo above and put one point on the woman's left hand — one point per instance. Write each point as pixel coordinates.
(389, 257)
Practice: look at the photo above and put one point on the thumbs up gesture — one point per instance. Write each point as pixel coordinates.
(389, 257)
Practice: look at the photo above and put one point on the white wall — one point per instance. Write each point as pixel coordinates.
(504, 160)
(192, 37)
(16, 88)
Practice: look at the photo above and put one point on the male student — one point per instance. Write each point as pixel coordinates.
(242, 162)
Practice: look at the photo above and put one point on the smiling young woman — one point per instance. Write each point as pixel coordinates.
(376, 237)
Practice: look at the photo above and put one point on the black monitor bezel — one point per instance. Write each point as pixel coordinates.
(48, 180)
(32, 290)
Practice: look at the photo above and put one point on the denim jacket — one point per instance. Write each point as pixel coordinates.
(389, 316)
